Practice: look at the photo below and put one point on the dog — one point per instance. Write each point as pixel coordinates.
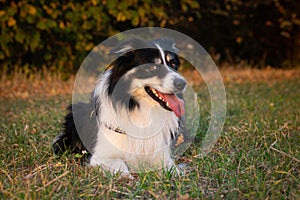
(136, 111)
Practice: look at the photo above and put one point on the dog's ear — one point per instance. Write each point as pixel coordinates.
(130, 45)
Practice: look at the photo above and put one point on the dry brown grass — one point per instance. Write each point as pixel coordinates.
(45, 84)
(42, 84)
(248, 75)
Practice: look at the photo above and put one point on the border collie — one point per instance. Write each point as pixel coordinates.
(135, 113)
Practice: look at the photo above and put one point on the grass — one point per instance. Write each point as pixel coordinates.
(256, 157)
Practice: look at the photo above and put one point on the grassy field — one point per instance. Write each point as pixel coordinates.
(256, 157)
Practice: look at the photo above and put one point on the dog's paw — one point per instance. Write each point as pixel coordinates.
(174, 171)
(171, 168)
(114, 166)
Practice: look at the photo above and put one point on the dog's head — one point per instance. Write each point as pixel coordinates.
(146, 71)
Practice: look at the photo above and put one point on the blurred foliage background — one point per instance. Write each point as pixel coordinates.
(57, 35)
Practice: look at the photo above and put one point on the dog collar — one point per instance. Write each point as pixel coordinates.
(115, 129)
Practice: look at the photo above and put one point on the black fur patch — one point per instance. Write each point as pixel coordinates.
(69, 139)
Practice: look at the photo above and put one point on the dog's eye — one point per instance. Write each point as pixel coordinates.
(173, 64)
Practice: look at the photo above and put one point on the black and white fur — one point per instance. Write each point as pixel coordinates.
(126, 125)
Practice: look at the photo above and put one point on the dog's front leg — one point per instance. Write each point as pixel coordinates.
(170, 166)
(112, 165)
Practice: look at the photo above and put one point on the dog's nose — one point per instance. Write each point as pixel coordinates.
(179, 83)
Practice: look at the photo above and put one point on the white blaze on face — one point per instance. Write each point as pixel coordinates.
(162, 53)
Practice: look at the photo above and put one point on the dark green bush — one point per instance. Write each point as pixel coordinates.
(57, 35)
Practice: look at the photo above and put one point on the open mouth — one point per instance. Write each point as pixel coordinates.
(168, 101)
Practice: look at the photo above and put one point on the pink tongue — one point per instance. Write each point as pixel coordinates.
(177, 105)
